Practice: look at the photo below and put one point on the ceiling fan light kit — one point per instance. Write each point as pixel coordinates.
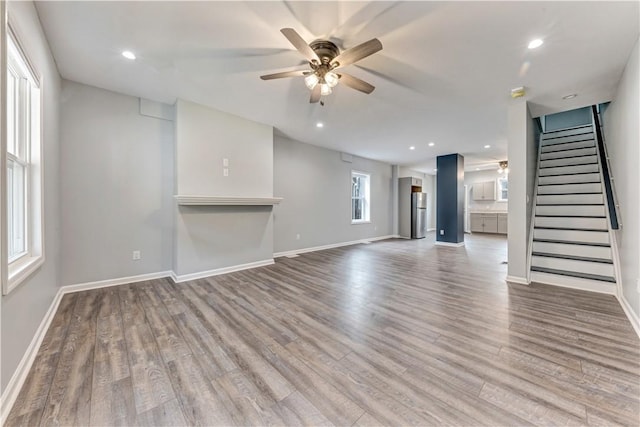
(324, 57)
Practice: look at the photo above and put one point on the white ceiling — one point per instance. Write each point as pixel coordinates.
(444, 75)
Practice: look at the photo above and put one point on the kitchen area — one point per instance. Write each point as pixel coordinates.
(486, 201)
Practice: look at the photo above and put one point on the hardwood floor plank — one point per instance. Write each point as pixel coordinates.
(397, 332)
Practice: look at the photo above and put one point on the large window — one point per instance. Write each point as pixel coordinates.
(360, 201)
(23, 156)
(503, 189)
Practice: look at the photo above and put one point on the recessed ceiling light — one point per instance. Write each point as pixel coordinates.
(477, 169)
(129, 55)
(431, 144)
(535, 43)
(412, 148)
(570, 96)
(487, 146)
(319, 125)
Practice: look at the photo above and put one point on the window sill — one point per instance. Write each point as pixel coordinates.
(360, 222)
(22, 269)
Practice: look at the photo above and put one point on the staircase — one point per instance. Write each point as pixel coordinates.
(571, 241)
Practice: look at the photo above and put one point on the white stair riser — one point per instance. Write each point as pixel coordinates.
(572, 236)
(574, 250)
(566, 170)
(569, 179)
(573, 282)
(571, 210)
(570, 199)
(569, 131)
(570, 188)
(582, 223)
(568, 161)
(569, 153)
(568, 146)
(551, 140)
(587, 267)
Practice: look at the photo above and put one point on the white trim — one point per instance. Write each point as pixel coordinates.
(114, 282)
(333, 245)
(21, 270)
(20, 374)
(631, 315)
(454, 245)
(574, 283)
(431, 229)
(185, 200)
(518, 280)
(217, 271)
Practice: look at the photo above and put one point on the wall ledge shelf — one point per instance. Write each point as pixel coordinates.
(226, 201)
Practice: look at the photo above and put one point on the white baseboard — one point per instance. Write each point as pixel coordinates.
(216, 272)
(518, 280)
(333, 245)
(114, 282)
(20, 374)
(453, 245)
(631, 315)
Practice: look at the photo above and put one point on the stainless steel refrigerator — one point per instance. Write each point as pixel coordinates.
(418, 215)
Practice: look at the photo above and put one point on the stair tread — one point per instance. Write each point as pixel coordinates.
(574, 274)
(568, 194)
(571, 242)
(563, 204)
(570, 216)
(570, 183)
(566, 174)
(569, 128)
(567, 149)
(573, 257)
(564, 166)
(597, 230)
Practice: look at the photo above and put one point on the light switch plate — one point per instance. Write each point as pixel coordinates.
(225, 162)
(225, 172)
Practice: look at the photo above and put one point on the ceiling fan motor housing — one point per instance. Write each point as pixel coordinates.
(325, 50)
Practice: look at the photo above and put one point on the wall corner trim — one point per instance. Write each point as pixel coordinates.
(333, 245)
(631, 315)
(518, 280)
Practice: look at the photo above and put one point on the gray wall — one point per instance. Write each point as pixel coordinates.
(567, 119)
(429, 187)
(316, 185)
(24, 308)
(117, 181)
(622, 135)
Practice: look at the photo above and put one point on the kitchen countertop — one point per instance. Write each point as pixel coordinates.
(487, 211)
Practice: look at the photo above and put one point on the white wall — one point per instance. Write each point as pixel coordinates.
(623, 145)
(24, 308)
(474, 177)
(523, 152)
(212, 237)
(117, 182)
(316, 185)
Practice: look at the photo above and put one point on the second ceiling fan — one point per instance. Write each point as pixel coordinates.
(325, 59)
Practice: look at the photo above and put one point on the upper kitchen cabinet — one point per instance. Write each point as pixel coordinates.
(484, 190)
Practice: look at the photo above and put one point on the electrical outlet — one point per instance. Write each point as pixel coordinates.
(298, 236)
(225, 172)
(442, 232)
(225, 163)
(136, 255)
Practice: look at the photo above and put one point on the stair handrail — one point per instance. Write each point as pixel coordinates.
(604, 166)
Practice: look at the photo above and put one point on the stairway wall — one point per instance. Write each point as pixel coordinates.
(622, 134)
(522, 140)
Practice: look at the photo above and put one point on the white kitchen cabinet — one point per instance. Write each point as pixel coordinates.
(489, 223)
(484, 191)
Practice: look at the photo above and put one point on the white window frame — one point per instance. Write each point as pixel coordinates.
(366, 199)
(21, 266)
(499, 188)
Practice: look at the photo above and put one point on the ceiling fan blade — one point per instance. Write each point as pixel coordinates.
(356, 83)
(357, 53)
(283, 74)
(299, 43)
(315, 95)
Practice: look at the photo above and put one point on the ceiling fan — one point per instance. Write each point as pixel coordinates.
(324, 59)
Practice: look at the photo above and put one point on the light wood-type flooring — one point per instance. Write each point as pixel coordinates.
(395, 333)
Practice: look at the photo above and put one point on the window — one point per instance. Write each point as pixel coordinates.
(503, 189)
(23, 162)
(360, 201)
